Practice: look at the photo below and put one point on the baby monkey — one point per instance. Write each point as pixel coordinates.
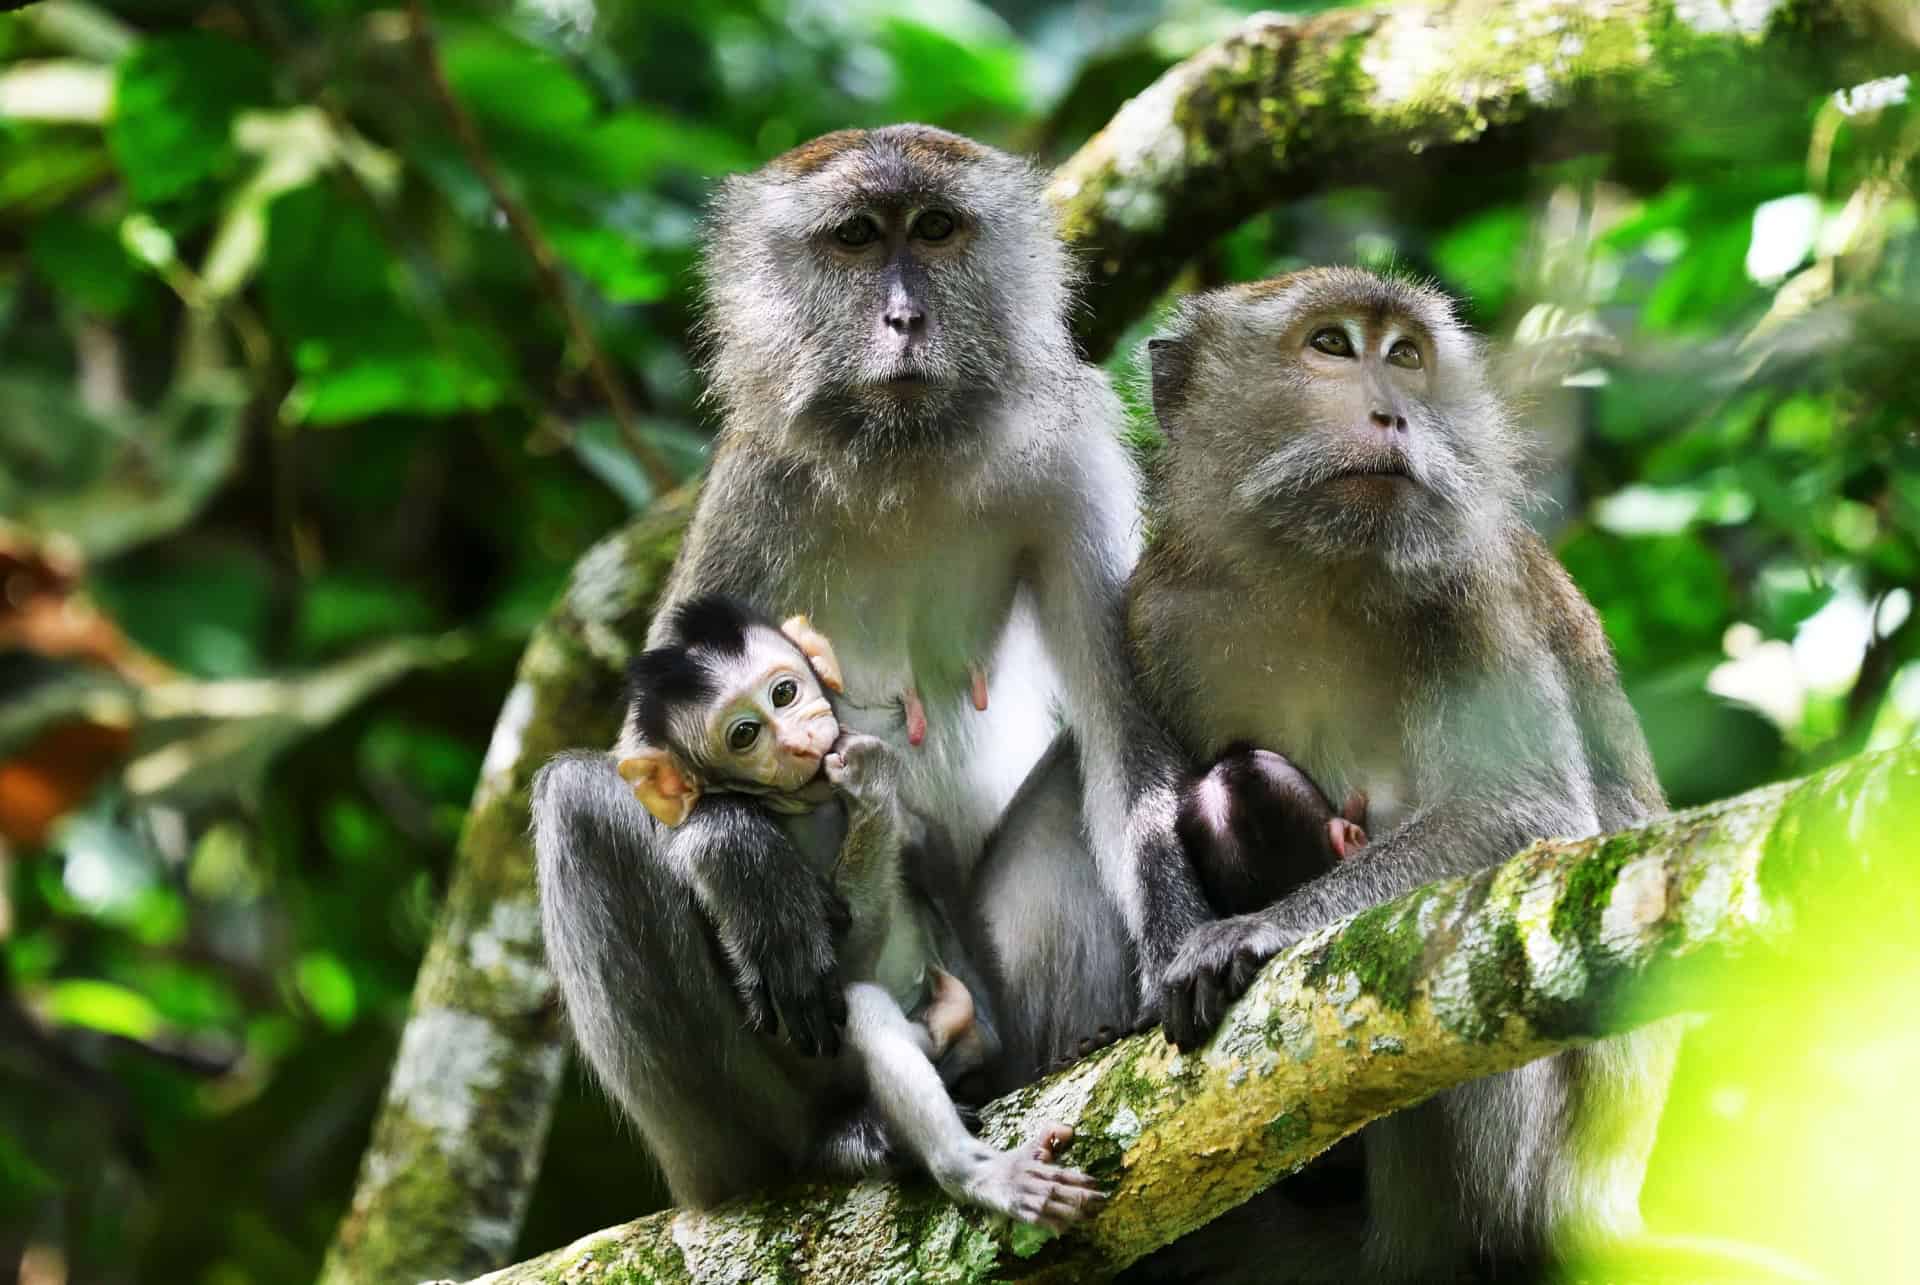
(732, 703)
(1256, 827)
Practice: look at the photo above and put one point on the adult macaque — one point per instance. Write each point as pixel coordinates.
(915, 458)
(1343, 574)
(729, 703)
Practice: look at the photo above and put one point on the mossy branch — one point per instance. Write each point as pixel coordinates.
(1568, 941)
(1425, 100)
(445, 1180)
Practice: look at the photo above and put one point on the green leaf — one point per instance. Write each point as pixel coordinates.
(1662, 599)
(114, 482)
(940, 78)
(507, 82)
(86, 263)
(337, 609)
(625, 269)
(1481, 255)
(174, 103)
(103, 1006)
(599, 446)
(327, 987)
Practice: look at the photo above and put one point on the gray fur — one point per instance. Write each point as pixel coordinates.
(1429, 652)
(989, 521)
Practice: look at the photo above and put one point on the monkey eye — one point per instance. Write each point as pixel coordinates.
(1404, 353)
(856, 232)
(1332, 341)
(742, 735)
(934, 225)
(784, 693)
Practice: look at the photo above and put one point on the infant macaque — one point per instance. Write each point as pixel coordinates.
(734, 703)
(1256, 827)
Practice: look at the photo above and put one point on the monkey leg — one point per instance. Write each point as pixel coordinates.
(907, 1092)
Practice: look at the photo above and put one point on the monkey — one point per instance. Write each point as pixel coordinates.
(1341, 572)
(1256, 827)
(913, 455)
(731, 703)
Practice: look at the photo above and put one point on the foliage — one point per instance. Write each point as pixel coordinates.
(281, 392)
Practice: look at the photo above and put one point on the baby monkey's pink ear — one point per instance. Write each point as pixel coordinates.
(814, 645)
(660, 785)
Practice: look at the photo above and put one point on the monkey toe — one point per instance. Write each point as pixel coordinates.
(1046, 1143)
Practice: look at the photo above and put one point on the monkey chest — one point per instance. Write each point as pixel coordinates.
(914, 614)
(1334, 708)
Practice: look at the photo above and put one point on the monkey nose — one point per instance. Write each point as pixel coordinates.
(906, 319)
(1387, 419)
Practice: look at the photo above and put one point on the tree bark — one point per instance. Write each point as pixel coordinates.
(1568, 941)
(1422, 99)
(1275, 111)
(456, 1147)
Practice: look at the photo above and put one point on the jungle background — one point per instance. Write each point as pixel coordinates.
(301, 430)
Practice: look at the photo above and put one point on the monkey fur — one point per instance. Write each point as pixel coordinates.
(914, 456)
(730, 702)
(1256, 827)
(1342, 573)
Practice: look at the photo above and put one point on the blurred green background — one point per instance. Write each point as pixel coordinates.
(295, 448)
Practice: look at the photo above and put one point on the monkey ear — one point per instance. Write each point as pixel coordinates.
(660, 785)
(819, 652)
(1172, 362)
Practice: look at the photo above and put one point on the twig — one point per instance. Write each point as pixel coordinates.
(527, 231)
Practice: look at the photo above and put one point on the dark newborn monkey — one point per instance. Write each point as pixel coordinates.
(1256, 827)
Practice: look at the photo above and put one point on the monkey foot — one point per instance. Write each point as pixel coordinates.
(1026, 1184)
(916, 717)
(977, 678)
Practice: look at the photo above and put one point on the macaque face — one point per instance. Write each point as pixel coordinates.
(771, 723)
(1356, 448)
(1349, 415)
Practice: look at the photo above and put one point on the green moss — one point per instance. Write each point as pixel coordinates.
(1576, 916)
(1288, 1130)
(1383, 948)
(1497, 970)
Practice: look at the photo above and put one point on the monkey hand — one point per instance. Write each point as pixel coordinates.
(1214, 967)
(865, 769)
(785, 967)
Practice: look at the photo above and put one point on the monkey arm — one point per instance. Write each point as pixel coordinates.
(1131, 768)
(776, 918)
(1503, 765)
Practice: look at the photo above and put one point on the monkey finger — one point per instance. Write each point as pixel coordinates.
(1241, 970)
(1075, 1185)
(1178, 1023)
(1209, 1002)
(1070, 1204)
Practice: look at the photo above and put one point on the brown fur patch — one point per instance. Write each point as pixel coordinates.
(919, 144)
(815, 155)
(935, 147)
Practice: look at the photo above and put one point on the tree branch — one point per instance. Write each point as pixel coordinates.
(1417, 98)
(446, 1177)
(1568, 941)
(546, 265)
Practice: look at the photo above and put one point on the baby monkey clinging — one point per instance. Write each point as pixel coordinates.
(731, 703)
